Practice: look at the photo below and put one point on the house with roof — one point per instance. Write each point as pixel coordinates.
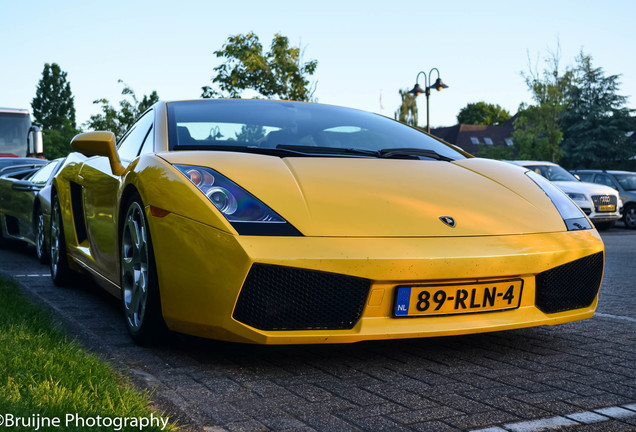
(469, 137)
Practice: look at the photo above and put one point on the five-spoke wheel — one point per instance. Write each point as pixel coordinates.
(40, 247)
(140, 294)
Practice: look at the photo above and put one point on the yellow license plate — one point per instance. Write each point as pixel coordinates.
(606, 208)
(442, 299)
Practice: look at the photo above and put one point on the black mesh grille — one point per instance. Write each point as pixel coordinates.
(602, 200)
(286, 298)
(570, 286)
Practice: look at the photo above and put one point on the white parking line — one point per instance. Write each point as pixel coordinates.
(618, 317)
(575, 419)
(32, 275)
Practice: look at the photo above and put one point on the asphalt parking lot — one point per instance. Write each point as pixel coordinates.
(573, 377)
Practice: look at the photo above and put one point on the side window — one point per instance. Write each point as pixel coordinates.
(43, 174)
(604, 180)
(149, 143)
(586, 177)
(130, 145)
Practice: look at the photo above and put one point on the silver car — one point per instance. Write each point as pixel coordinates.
(623, 181)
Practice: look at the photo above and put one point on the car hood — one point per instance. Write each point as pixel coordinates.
(355, 197)
(584, 188)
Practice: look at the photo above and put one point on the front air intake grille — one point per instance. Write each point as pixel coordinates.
(570, 286)
(286, 298)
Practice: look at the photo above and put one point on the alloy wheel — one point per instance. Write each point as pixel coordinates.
(134, 267)
(55, 239)
(39, 235)
(630, 216)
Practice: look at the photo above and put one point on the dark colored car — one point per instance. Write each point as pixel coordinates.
(623, 181)
(25, 204)
(8, 163)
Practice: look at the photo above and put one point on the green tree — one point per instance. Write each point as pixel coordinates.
(278, 73)
(407, 112)
(537, 130)
(596, 121)
(54, 111)
(119, 121)
(250, 133)
(482, 113)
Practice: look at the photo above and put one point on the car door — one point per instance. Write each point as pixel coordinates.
(606, 180)
(100, 192)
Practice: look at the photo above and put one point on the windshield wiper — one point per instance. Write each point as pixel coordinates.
(412, 153)
(283, 150)
(325, 150)
(241, 148)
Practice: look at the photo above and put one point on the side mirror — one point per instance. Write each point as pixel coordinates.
(99, 144)
(35, 144)
(577, 177)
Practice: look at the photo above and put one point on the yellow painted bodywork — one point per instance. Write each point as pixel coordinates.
(369, 218)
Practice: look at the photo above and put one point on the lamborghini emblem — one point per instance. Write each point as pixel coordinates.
(448, 221)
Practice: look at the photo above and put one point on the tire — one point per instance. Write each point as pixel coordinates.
(629, 216)
(58, 264)
(604, 226)
(40, 244)
(3, 241)
(140, 295)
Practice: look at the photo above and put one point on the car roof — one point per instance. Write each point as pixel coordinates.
(603, 171)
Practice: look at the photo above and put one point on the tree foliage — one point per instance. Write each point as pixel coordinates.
(482, 113)
(537, 130)
(596, 121)
(578, 115)
(119, 121)
(407, 112)
(54, 111)
(279, 73)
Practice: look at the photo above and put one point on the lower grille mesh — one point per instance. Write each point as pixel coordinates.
(570, 286)
(286, 298)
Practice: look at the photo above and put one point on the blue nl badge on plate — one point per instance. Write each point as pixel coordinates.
(402, 301)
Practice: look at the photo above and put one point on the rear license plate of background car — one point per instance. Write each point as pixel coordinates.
(606, 208)
(435, 300)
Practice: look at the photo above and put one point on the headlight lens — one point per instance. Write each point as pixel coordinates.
(571, 213)
(247, 214)
(577, 196)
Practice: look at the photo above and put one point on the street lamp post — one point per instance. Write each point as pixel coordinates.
(417, 90)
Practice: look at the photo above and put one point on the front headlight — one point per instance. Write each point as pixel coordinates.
(577, 196)
(572, 215)
(247, 214)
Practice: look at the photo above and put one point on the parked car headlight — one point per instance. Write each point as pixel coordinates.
(577, 196)
(572, 215)
(247, 214)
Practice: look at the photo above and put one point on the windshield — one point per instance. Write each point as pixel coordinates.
(552, 172)
(627, 181)
(305, 128)
(13, 133)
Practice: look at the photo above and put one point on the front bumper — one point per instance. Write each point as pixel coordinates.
(202, 270)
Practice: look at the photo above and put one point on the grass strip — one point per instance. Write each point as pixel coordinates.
(44, 375)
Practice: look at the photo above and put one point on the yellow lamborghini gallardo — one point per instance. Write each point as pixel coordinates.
(278, 222)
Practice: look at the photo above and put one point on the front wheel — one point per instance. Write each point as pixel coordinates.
(139, 289)
(60, 270)
(40, 247)
(629, 216)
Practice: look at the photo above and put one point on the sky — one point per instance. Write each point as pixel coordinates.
(366, 50)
